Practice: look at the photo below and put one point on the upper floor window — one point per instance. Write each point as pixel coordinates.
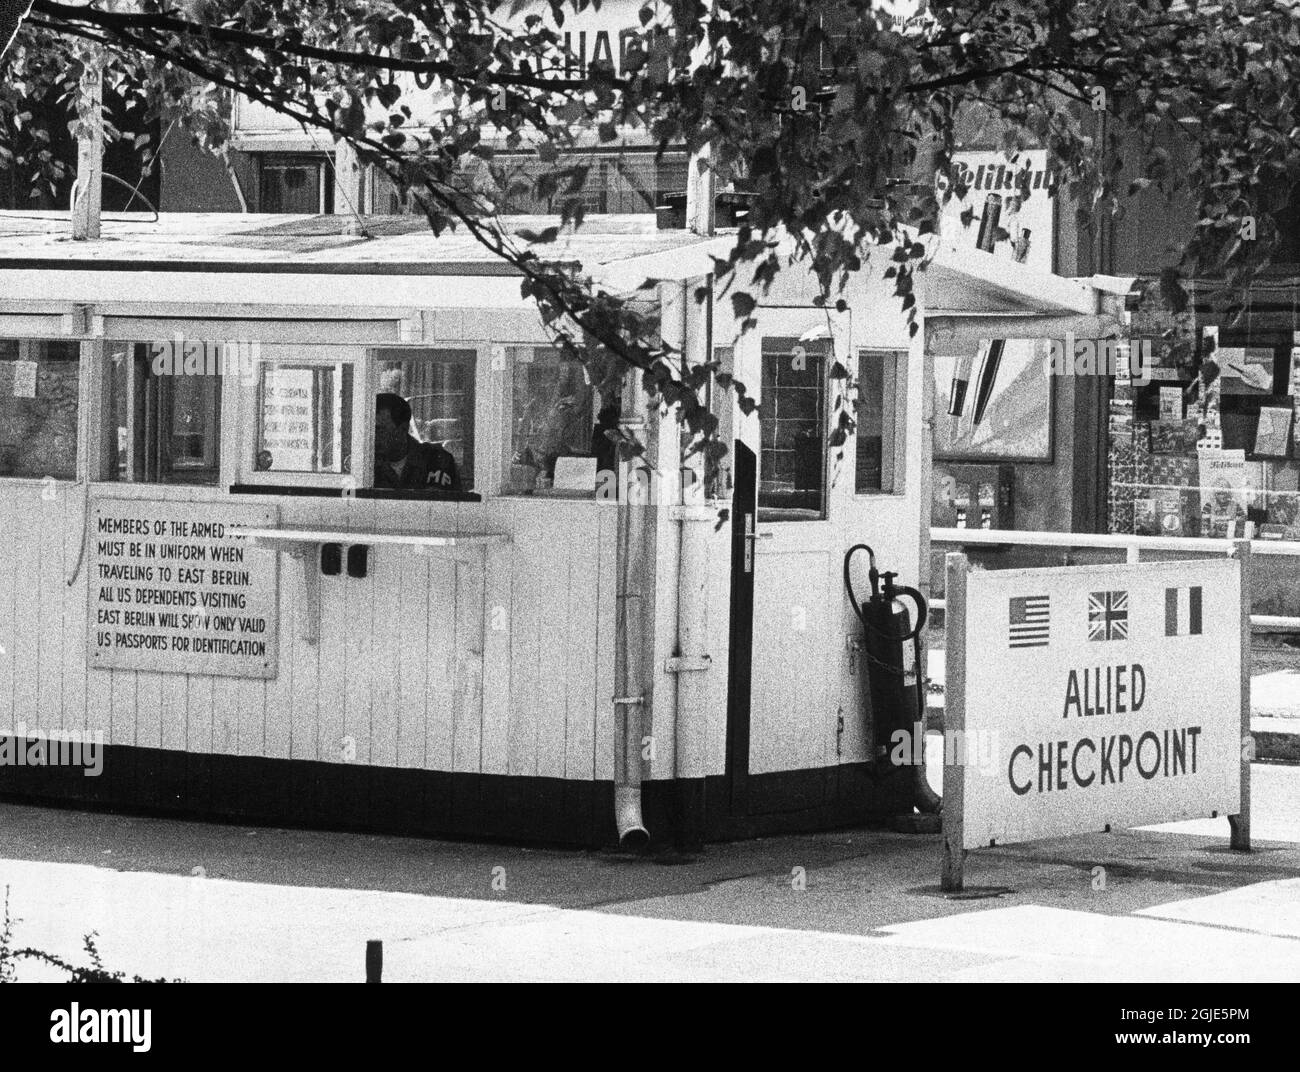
(615, 184)
(294, 184)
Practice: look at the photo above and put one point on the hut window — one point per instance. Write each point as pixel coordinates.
(881, 383)
(550, 418)
(792, 423)
(439, 385)
(304, 417)
(164, 407)
(38, 408)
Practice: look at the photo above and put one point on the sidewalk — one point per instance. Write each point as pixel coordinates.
(207, 902)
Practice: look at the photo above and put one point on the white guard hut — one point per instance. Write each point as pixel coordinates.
(200, 573)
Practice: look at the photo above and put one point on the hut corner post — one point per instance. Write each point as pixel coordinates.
(1240, 823)
(952, 868)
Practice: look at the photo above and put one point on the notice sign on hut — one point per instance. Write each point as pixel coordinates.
(171, 590)
(1094, 696)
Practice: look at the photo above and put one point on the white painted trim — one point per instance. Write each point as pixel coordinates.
(1038, 290)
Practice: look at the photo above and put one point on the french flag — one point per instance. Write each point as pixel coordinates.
(1183, 611)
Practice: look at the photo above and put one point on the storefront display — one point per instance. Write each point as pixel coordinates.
(1207, 446)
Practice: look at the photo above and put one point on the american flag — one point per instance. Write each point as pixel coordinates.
(1108, 616)
(1029, 622)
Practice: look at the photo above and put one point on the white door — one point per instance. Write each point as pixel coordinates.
(791, 363)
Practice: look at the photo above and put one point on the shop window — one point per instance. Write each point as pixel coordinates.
(792, 423)
(300, 185)
(304, 418)
(38, 408)
(167, 419)
(551, 418)
(439, 387)
(878, 413)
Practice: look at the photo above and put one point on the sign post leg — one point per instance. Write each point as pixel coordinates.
(1240, 823)
(951, 873)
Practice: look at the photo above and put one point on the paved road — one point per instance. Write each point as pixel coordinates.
(207, 902)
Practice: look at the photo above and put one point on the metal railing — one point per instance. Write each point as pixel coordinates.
(1133, 546)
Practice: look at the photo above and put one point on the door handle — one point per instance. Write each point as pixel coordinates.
(759, 535)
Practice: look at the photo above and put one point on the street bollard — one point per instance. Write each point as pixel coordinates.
(374, 961)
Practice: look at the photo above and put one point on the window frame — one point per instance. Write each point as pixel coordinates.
(85, 358)
(893, 433)
(506, 439)
(468, 473)
(362, 471)
(826, 357)
(102, 429)
(270, 160)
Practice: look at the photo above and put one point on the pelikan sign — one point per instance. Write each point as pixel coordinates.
(1006, 207)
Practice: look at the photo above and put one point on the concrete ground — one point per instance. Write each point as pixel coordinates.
(207, 902)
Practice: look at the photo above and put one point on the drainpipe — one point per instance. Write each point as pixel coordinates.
(689, 659)
(632, 638)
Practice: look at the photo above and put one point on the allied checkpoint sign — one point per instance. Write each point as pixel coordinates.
(1099, 695)
(171, 590)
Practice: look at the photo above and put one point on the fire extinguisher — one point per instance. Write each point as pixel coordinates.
(887, 626)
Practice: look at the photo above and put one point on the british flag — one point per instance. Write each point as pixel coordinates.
(1108, 616)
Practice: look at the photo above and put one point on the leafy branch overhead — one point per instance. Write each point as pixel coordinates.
(833, 121)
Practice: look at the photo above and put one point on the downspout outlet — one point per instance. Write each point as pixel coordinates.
(632, 834)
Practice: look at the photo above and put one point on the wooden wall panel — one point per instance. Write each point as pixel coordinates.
(299, 660)
(45, 605)
(148, 709)
(440, 660)
(498, 581)
(74, 611)
(527, 563)
(467, 644)
(332, 678)
(174, 710)
(362, 658)
(413, 610)
(497, 662)
(580, 666)
(122, 685)
(392, 647)
(606, 638)
(10, 529)
(558, 536)
(200, 703)
(25, 653)
(225, 715)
